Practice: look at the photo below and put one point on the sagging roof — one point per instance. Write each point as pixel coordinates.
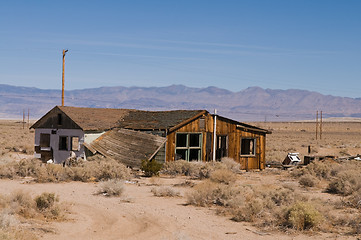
(88, 119)
(127, 146)
(161, 120)
(96, 118)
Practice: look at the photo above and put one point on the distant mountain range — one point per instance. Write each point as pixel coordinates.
(251, 104)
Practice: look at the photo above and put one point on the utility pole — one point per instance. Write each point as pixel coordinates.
(316, 123)
(321, 126)
(23, 118)
(62, 90)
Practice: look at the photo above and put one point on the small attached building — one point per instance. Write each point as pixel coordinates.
(187, 134)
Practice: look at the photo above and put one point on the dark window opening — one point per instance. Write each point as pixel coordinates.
(194, 154)
(75, 143)
(60, 119)
(181, 140)
(188, 146)
(44, 140)
(181, 154)
(222, 147)
(248, 146)
(194, 140)
(63, 143)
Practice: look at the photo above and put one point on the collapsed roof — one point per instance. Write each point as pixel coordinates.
(127, 146)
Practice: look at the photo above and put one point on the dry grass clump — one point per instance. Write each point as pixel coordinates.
(199, 170)
(84, 171)
(346, 182)
(19, 209)
(231, 164)
(267, 207)
(207, 193)
(302, 216)
(308, 180)
(113, 187)
(165, 192)
(319, 169)
(223, 176)
(343, 178)
(354, 200)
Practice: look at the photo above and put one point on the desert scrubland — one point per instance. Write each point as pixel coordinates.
(101, 199)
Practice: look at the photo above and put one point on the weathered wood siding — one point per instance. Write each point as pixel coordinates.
(225, 128)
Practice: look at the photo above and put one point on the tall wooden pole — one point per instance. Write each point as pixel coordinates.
(62, 89)
(316, 123)
(321, 126)
(23, 118)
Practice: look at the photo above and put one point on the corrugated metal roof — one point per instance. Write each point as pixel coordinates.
(127, 146)
(143, 120)
(95, 118)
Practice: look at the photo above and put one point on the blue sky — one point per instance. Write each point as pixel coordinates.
(304, 44)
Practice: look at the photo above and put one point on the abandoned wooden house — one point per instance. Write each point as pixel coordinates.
(130, 136)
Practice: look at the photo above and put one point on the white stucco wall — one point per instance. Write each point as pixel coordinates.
(60, 156)
(90, 137)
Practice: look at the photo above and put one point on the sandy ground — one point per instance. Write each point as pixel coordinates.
(137, 214)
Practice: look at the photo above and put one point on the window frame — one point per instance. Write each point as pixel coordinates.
(188, 148)
(67, 143)
(41, 140)
(71, 144)
(254, 147)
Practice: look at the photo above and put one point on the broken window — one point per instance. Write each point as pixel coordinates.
(202, 124)
(188, 146)
(75, 143)
(60, 119)
(222, 146)
(44, 140)
(63, 143)
(248, 146)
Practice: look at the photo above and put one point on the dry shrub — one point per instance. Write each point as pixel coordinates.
(231, 164)
(318, 169)
(302, 216)
(7, 219)
(8, 170)
(112, 187)
(182, 167)
(346, 183)
(207, 193)
(16, 234)
(165, 192)
(266, 207)
(249, 212)
(22, 204)
(223, 176)
(308, 180)
(198, 170)
(355, 199)
(84, 171)
(179, 167)
(46, 204)
(45, 201)
(19, 205)
(281, 196)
